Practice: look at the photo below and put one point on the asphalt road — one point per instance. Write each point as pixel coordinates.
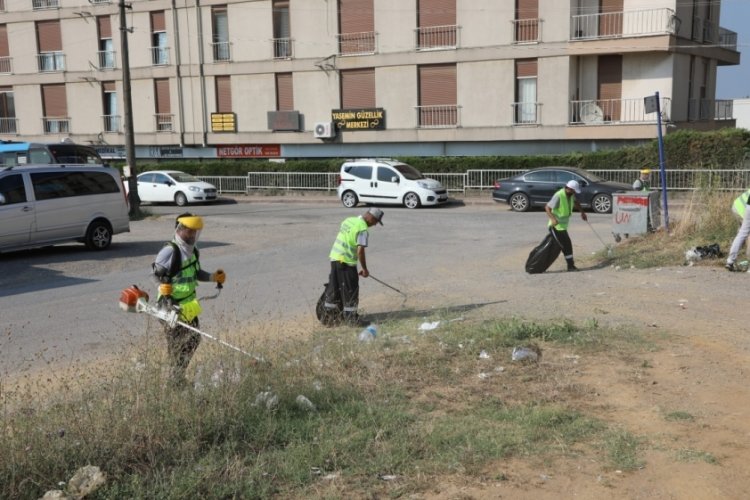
(60, 304)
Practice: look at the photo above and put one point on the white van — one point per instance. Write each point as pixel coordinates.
(385, 181)
(43, 205)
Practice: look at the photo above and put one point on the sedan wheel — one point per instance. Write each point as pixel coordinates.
(411, 200)
(349, 199)
(180, 199)
(602, 204)
(519, 202)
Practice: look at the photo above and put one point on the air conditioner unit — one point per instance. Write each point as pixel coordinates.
(324, 130)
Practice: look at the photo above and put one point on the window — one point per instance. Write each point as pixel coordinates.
(5, 60)
(55, 109)
(526, 80)
(358, 88)
(356, 27)
(52, 185)
(49, 41)
(223, 94)
(163, 105)
(7, 111)
(436, 20)
(610, 17)
(527, 21)
(11, 186)
(363, 172)
(437, 96)
(220, 25)
(609, 83)
(109, 105)
(541, 176)
(106, 47)
(284, 92)
(282, 42)
(385, 174)
(159, 49)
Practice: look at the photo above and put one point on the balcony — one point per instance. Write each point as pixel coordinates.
(526, 113)
(527, 30)
(8, 125)
(728, 39)
(282, 48)
(710, 109)
(443, 116)
(630, 23)
(51, 61)
(357, 44)
(437, 37)
(221, 51)
(112, 123)
(164, 122)
(45, 4)
(6, 65)
(56, 125)
(159, 56)
(107, 59)
(615, 111)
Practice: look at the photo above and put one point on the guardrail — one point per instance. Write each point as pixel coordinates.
(677, 180)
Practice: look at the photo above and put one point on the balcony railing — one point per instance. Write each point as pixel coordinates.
(159, 56)
(112, 123)
(45, 4)
(608, 111)
(728, 39)
(164, 122)
(282, 48)
(629, 23)
(221, 51)
(710, 109)
(437, 37)
(51, 61)
(444, 116)
(56, 125)
(357, 44)
(107, 59)
(527, 30)
(526, 113)
(6, 65)
(8, 125)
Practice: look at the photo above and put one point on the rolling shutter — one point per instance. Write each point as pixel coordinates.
(161, 89)
(610, 24)
(108, 86)
(105, 27)
(609, 83)
(284, 92)
(526, 68)
(527, 11)
(53, 100)
(157, 21)
(223, 94)
(436, 13)
(48, 36)
(437, 87)
(358, 88)
(356, 16)
(4, 49)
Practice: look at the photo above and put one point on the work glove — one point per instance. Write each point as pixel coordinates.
(165, 289)
(219, 276)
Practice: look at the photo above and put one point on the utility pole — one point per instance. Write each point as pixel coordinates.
(133, 198)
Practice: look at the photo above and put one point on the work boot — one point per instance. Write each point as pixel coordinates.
(571, 265)
(729, 266)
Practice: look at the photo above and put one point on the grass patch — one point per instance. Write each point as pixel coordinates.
(680, 416)
(410, 404)
(690, 455)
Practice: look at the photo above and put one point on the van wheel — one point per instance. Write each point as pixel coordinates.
(349, 199)
(411, 200)
(98, 235)
(180, 199)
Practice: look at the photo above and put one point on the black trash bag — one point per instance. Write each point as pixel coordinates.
(708, 251)
(326, 316)
(543, 255)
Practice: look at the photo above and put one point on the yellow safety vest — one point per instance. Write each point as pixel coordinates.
(563, 210)
(740, 203)
(345, 247)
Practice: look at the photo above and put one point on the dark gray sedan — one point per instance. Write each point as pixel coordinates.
(534, 188)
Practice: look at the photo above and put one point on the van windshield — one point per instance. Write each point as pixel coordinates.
(408, 171)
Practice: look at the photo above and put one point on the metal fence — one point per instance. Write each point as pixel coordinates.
(677, 180)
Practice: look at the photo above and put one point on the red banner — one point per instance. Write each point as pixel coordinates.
(249, 151)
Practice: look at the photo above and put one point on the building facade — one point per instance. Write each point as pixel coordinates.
(330, 78)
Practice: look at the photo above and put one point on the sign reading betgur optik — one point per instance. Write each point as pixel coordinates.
(351, 120)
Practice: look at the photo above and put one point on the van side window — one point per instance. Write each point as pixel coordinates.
(51, 185)
(39, 156)
(386, 174)
(12, 188)
(360, 171)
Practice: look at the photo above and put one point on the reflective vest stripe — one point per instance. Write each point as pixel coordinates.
(345, 247)
(563, 210)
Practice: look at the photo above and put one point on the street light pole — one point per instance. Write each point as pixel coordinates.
(133, 197)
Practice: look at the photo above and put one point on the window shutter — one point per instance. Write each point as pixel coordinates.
(356, 16)
(161, 89)
(48, 36)
(105, 27)
(527, 9)
(526, 68)
(358, 88)
(284, 92)
(108, 86)
(223, 94)
(437, 85)
(4, 49)
(157, 21)
(610, 24)
(53, 100)
(436, 13)
(610, 86)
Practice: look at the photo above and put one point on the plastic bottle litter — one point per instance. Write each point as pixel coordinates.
(524, 354)
(368, 334)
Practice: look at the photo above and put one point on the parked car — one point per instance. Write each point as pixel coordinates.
(385, 181)
(534, 188)
(165, 186)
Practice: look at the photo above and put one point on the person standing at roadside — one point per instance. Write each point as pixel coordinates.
(349, 250)
(643, 182)
(559, 210)
(739, 208)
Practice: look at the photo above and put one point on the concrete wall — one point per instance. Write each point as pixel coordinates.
(742, 113)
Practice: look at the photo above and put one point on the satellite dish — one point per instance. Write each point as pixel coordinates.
(591, 113)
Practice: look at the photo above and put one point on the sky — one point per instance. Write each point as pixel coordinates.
(733, 82)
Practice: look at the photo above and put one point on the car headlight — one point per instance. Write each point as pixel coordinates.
(423, 185)
(195, 188)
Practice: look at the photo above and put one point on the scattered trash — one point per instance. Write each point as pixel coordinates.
(305, 403)
(317, 385)
(526, 353)
(368, 334)
(330, 477)
(387, 477)
(426, 326)
(484, 355)
(742, 266)
(484, 375)
(500, 369)
(85, 481)
(704, 252)
(267, 399)
(316, 471)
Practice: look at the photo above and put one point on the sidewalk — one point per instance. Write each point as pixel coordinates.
(479, 198)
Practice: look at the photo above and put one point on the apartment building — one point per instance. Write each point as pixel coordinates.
(323, 78)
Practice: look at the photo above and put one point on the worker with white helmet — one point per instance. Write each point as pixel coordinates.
(177, 271)
(559, 209)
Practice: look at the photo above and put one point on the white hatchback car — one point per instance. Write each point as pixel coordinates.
(385, 181)
(165, 186)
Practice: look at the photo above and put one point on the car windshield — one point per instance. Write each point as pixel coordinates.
(593, 177)
(183, 177)
(408, 171)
